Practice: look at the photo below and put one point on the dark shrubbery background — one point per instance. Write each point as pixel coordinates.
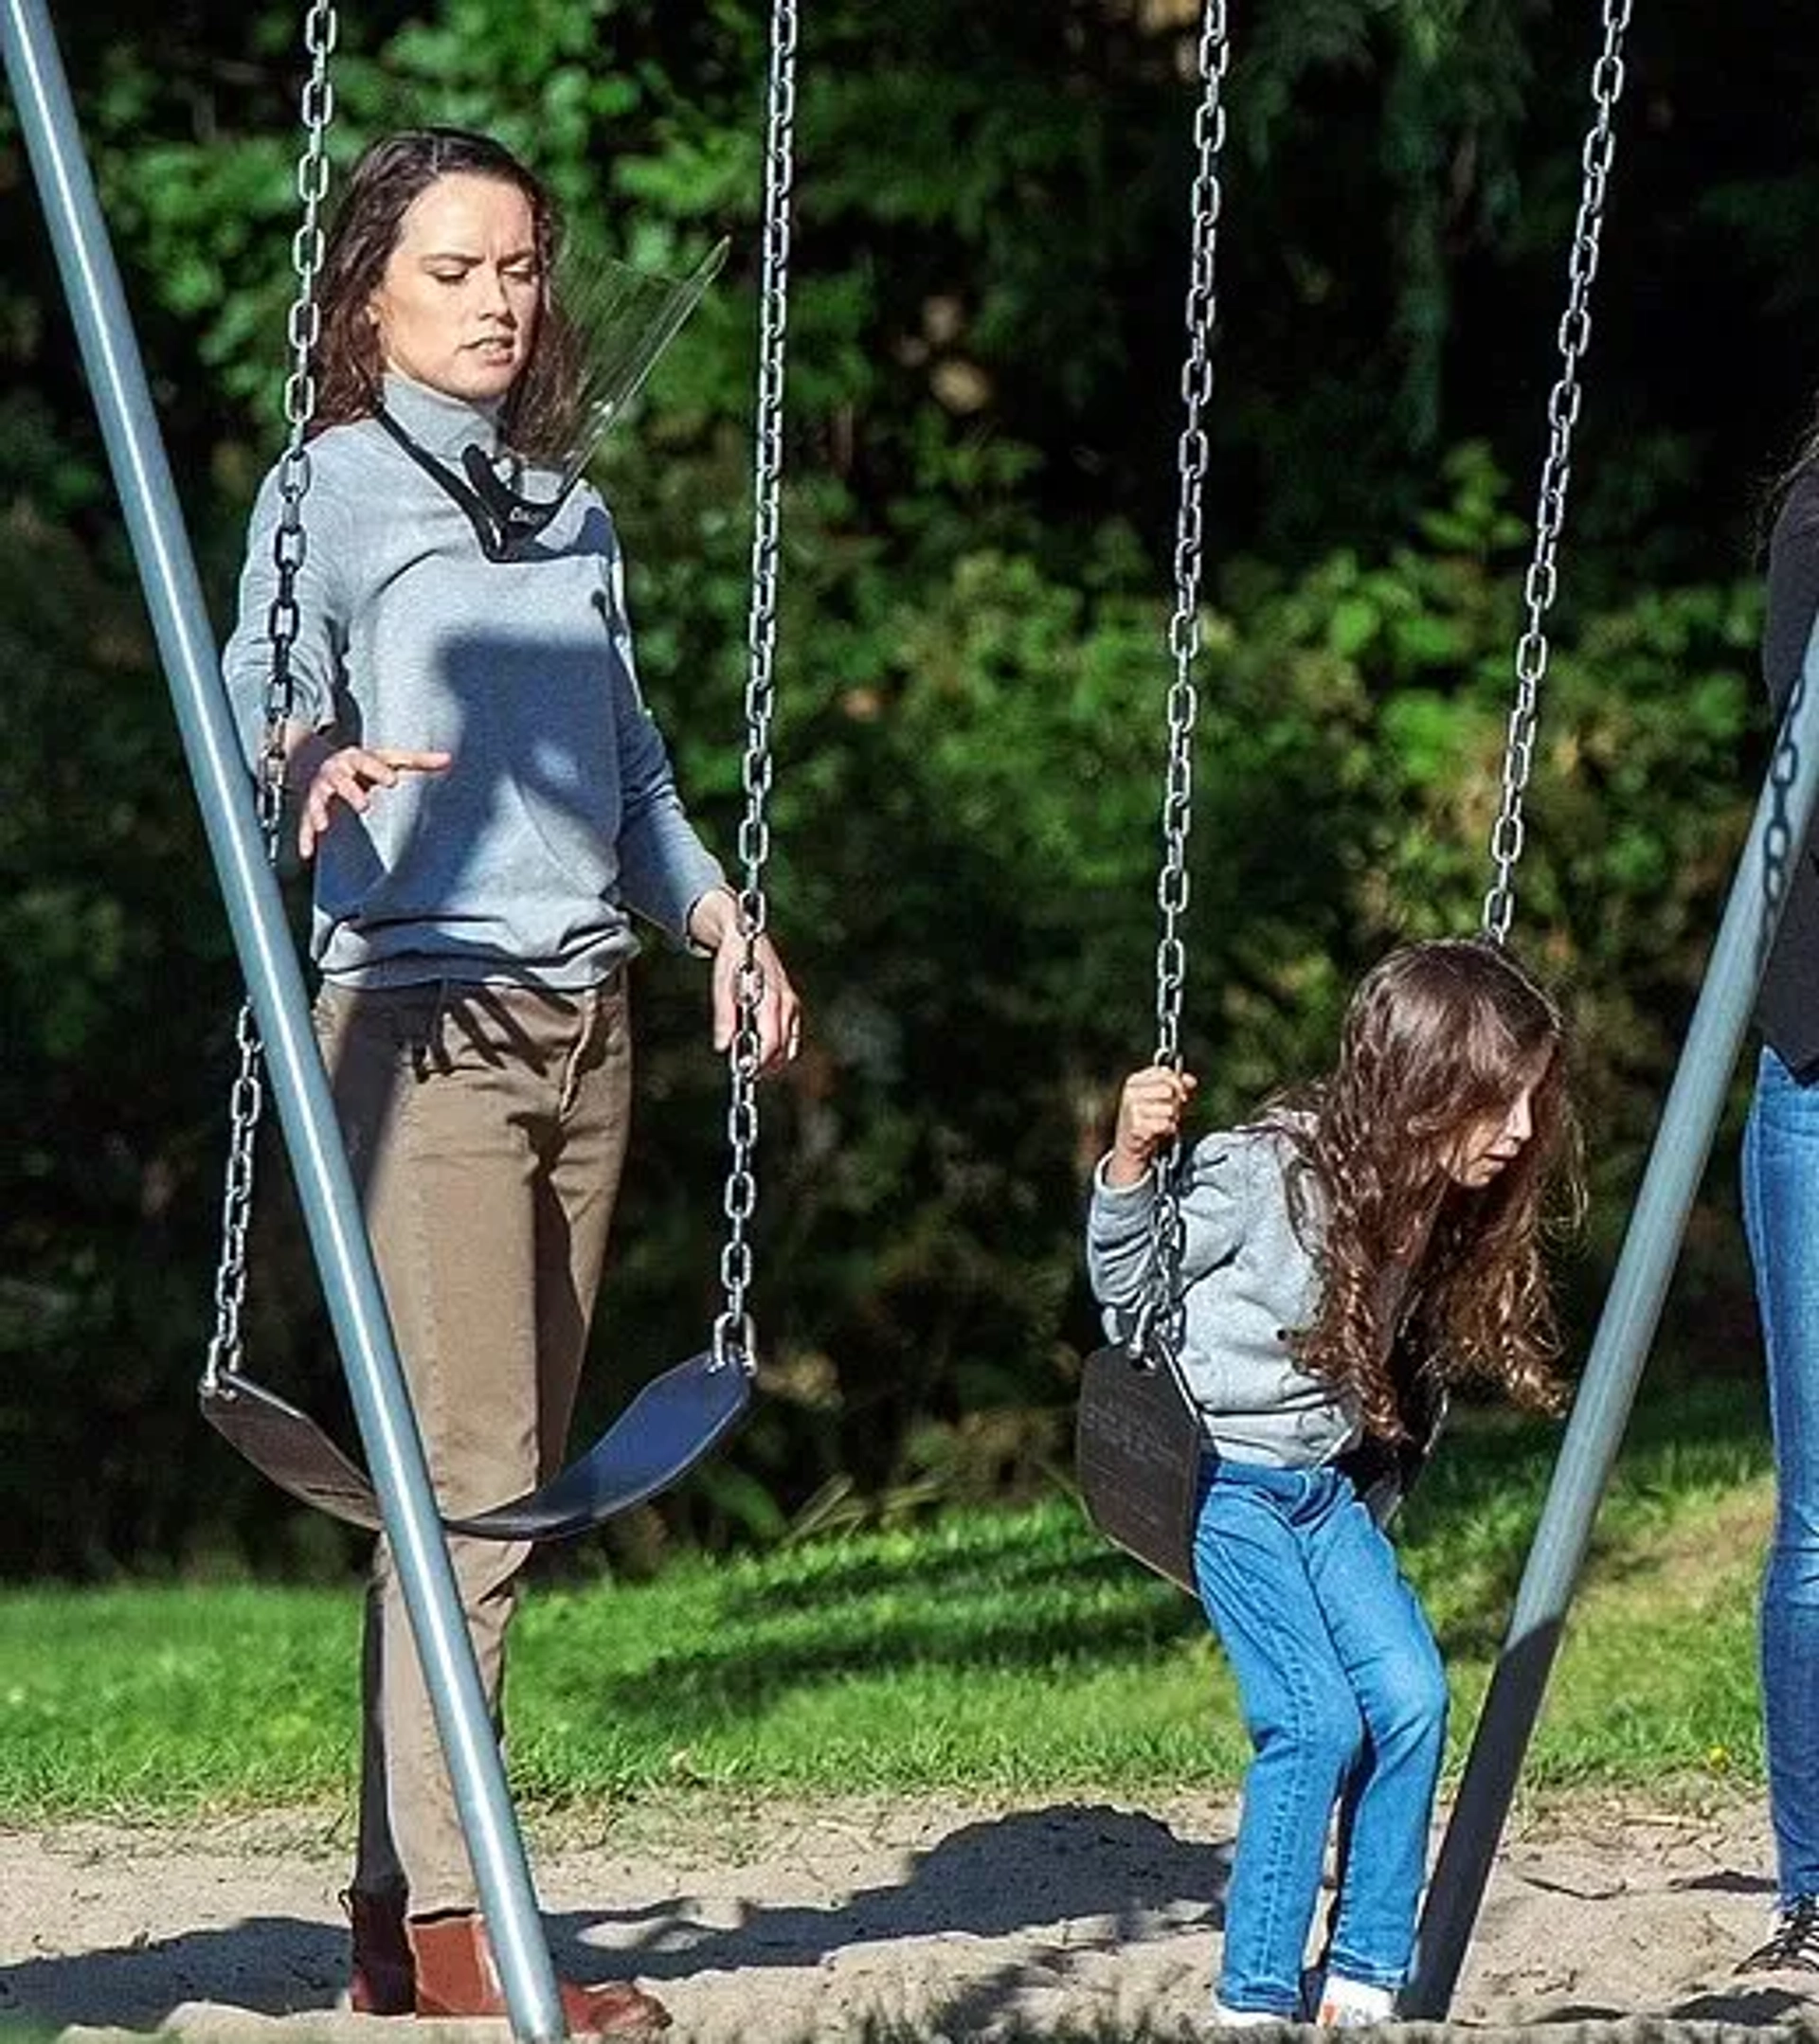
(991, 246)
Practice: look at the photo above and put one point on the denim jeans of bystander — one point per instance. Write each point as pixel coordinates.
(1781, 1217)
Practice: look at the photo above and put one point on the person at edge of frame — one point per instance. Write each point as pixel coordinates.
(1781, 1224)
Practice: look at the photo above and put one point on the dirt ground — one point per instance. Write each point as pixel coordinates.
(814, 1922)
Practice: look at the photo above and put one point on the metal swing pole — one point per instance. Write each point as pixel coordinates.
(337, 1233)
(1783, 821)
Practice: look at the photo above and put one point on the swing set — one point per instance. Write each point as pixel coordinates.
(1138, 1439)
(1138, 1442)
(686, 1412)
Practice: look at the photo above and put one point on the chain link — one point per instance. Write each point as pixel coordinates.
(732, 1332)
(1158, 1323)
(246, 1099)
(1542, 581)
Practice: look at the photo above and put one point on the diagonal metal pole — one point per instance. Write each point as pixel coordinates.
(1682, 1141)
(191, 664)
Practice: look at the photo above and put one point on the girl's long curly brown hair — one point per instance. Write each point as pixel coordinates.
(1439, 1035)
(538, 418)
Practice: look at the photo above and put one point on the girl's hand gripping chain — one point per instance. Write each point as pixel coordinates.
(1150, 1117)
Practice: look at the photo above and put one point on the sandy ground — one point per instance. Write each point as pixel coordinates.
(779, 1922)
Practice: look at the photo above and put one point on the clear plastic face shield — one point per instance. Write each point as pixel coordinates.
(614, 324)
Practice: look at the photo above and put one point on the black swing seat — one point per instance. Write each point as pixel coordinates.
(674, 1421)
(1137, 1445)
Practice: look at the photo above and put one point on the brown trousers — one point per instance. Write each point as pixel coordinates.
(486, 1127)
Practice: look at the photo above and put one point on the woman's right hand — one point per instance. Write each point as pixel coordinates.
(1150, 1117)
(349, 774)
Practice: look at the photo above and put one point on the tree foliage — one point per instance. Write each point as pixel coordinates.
(991, 241)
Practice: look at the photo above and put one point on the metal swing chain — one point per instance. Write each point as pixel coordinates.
(1159, 1316)
(247, 1098)
(1539, 586)
(732, 1329)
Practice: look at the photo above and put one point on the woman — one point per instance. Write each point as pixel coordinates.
(1781, 1219)
(1359, 1246)
(486, 800)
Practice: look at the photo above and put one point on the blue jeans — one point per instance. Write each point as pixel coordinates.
(1345, 1702)
(1781, 1217)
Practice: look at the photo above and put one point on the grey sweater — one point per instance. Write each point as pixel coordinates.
(1248, 1281)
(559, 814)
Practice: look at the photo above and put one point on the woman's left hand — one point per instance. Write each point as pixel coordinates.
(715, 922)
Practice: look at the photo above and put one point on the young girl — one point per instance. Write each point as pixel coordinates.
(1366, 1242)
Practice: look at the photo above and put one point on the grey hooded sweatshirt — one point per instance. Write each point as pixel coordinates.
(1247, 1283)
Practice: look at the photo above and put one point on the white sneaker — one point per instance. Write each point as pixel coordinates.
(1354, 2004)
(1229, 2019)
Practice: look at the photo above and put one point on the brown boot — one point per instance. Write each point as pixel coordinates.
(384, 1979)
(456, 1977)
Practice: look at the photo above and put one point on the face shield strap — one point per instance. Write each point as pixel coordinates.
(621, 320)
(503, 520)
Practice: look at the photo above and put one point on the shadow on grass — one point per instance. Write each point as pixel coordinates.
(743, 1667)
(1100, 1880)
(1000, 1553)
(1487, 1485)
(1027, 1596)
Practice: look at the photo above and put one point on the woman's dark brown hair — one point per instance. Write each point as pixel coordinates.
(1438, 1036)
(538, 414)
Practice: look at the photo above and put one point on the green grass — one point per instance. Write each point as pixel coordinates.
(1007, 1653)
